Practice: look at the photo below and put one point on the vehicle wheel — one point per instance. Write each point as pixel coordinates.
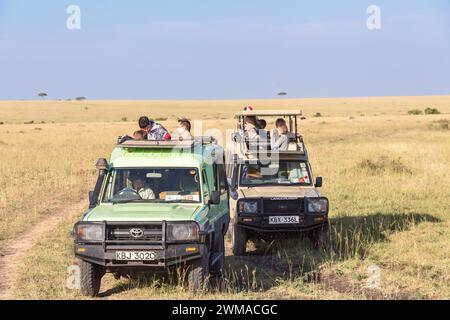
(198, 274)
(90, 278)
(320, 237)
(217, 268)
(238, 240)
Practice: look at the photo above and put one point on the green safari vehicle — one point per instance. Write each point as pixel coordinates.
(156, 205)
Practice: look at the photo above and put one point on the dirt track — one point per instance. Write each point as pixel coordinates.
(15, 250)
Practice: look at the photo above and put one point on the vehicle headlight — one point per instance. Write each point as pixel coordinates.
(319, 205)
(248, 206)
(182, 232)
(89, 232)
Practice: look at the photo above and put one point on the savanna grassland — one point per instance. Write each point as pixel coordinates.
(386, 173)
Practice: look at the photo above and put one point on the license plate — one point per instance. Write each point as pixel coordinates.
(283, 220)
(135, 256)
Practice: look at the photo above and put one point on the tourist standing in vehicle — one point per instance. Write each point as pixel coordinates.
(278, 139)
(250, 127)
(139, 135)
(155, 131)
(262, 124)
(183, 130)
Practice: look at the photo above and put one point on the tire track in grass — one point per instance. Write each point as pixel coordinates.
(16, 249)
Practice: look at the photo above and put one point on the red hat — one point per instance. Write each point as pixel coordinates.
(248, 108)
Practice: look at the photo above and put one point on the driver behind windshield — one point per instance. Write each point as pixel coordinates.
(138, 184)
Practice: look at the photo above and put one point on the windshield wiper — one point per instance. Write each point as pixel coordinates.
(122, 201)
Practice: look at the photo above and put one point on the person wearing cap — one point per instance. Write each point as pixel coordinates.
(251, 125)
(138, 184)
(155, 131)
(183, 130)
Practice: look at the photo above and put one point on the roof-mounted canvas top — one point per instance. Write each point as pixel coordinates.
(266, 113)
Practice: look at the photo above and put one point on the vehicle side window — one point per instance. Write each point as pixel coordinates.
(222, 179)
(216, 176)
(205, 183)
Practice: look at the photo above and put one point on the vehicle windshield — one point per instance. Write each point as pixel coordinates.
(179, 185)
(284, 173)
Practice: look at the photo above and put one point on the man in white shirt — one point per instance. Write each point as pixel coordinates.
(183, 131)
(138, 184)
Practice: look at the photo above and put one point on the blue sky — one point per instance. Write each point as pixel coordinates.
(203, 49)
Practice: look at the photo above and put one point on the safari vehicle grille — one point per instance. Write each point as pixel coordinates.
(120, 233)
(283, 206)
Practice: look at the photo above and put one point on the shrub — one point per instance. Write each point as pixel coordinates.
(442, 124)
(124, 119)
(432, 111)
(384, 164)
(317, 115)
(415, 112)
(161, 119)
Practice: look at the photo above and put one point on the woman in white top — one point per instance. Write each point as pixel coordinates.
(183, 131)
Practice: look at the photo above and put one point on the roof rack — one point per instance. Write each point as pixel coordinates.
(266, 113)
(166, 144)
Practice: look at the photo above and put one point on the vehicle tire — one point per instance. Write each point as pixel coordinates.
(198, 274)
(238, 240)
(90, 278)
(320, 237)
(219, 248)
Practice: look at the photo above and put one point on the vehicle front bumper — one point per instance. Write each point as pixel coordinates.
(169, 255)
(260, 223)
(164, 252)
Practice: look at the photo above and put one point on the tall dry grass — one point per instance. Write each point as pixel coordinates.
(386, 176)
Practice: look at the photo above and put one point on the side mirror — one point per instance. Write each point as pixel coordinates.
(102, 164)
(234, 178)
(319, 182)
(91, 199)
(234, 194)
(215, 197)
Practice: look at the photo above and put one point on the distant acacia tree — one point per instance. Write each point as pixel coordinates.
(282, 93)
(80, 98)
(42, 95)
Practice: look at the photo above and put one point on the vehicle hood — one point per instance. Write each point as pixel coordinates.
(143, 212)
(279, 192)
